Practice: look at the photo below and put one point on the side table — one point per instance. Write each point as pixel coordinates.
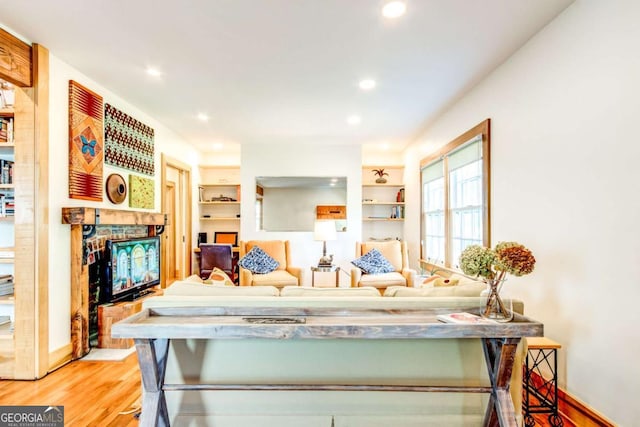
(325, 269)
(541, 381)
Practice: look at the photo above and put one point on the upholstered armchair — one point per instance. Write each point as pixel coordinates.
(284, 275)
(395, 252)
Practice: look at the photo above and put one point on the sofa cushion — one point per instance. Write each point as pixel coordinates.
(472, 289)
(383, 280)
(184, 288)
(275, 248)
(391, 250)
(373, 262)
(299, 291)
(277, 278)
(258, 261)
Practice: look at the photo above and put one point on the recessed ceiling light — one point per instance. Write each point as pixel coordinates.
(354, 120)
(217, 146)
(384, 146)
(154, 72)
(367, 84)
(394, 9)
(203, 117)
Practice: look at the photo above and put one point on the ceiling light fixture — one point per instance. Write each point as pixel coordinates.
(394, 9)
(354, 120)
(217, 146)
(367, 84)
(203, 117)
(154, 72)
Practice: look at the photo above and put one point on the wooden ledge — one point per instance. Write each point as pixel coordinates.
(97, 216)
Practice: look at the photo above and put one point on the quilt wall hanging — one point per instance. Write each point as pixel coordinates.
(86, 143)
(141, 192)
(128, 142)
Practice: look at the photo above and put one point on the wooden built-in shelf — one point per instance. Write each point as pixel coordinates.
(7, 255)
(7, 300)
(220, 219)
(9, 218)
(6, 330)
(383, 185)
(7, 186)
(219, 203)
(383, 203)
(383, 219)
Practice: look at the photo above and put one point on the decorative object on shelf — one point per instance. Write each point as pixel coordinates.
(380, 173)
(142, 192)
(493, 265)
(116, 188)
(128, 142)
(7, 95)
(323, 231)
(86, 143)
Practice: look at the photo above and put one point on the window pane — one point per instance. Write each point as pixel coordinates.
(465, 193)
(433, 237)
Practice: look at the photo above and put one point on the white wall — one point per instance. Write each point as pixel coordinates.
(305, 160)
(565, 176)
(59, 244)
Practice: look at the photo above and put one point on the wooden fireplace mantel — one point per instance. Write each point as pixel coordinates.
(78, 218)
(97, 216)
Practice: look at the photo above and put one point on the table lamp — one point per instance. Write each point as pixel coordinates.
(323, 231)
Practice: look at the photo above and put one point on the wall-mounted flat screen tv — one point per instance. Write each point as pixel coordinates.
(133, 266)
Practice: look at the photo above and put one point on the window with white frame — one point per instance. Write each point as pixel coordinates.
(455, 197)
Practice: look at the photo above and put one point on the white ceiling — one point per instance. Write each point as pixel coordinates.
(283, 71)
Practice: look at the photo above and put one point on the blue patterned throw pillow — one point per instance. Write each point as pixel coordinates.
(373, 262)
(258, 261)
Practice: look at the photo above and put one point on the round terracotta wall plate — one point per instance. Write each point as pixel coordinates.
(116, 188)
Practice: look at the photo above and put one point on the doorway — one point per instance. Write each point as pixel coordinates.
(176, 203)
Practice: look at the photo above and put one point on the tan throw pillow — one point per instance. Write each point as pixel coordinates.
(441, 281)
(430, 279)
(194, 278)
(219, 277)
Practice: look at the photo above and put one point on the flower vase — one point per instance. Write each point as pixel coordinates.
(492, 306)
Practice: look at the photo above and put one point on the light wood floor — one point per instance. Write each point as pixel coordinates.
(92, 393)
(98, 393)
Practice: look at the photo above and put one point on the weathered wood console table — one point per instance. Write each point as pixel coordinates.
(152, 329)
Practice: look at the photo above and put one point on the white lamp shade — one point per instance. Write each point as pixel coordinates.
(325, 230)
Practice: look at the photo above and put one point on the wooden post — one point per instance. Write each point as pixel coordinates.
(79, 296)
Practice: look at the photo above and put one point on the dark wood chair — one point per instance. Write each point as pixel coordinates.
(217, 255)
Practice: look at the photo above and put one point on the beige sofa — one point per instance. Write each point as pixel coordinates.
(426, 362)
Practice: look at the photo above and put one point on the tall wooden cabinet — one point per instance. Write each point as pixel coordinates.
(24, 344)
